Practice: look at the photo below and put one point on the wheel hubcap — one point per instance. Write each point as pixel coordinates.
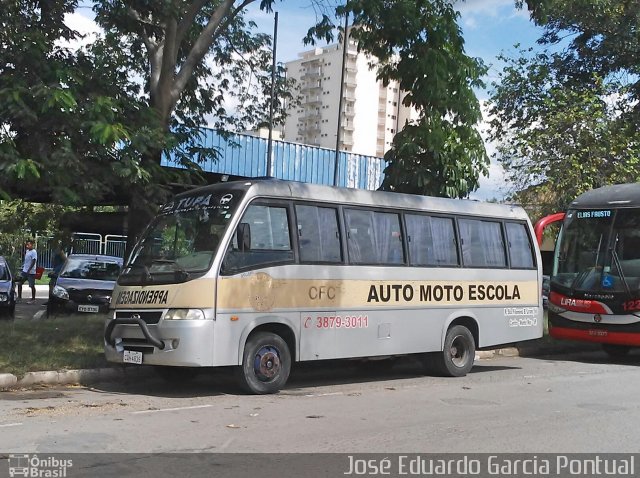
(458, 351)
(267, 363)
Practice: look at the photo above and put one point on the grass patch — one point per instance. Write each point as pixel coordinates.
(63, 343)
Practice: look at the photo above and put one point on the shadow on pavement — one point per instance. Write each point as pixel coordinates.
(308, 375)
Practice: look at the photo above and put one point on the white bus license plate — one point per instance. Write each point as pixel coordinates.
(130, 356)
(88, 308)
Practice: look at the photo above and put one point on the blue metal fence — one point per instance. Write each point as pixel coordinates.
(245, 155)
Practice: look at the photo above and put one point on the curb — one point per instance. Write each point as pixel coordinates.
(70, 377)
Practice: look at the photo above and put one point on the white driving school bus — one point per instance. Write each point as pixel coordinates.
(258, 274)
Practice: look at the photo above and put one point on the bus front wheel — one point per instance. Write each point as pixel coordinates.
(458, 354)
(266, 364)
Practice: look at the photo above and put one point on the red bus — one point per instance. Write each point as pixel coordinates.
(595, 282)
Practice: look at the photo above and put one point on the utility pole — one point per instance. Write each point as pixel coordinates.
(273, 89)
(344, 62)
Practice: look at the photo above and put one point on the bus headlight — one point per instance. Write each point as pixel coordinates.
(184, 314)
(60, 293)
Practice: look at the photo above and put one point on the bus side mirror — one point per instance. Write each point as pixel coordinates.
(243, 235)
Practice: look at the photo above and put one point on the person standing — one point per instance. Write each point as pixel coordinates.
(28, 272)
(59, 258)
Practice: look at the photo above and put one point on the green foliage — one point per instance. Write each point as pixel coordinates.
(193, 69)
(419, 44)
(20, 217)
(84, 126)
(566, 120)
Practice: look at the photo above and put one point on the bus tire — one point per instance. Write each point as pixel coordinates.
(458, 354)
(616, 351)
(266, 363)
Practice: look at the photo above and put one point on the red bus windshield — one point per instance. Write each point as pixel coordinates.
(599, 251)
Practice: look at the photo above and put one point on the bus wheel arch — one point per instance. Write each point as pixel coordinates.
(458, 349)
(266, 360)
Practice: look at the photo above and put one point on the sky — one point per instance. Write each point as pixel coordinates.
(489, 27)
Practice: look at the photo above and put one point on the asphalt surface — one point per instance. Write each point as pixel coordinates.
(25, 309)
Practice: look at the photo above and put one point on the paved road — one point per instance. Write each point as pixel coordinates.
(25, 309)
(576, 403)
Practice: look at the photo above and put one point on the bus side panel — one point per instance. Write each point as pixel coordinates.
(339, 313)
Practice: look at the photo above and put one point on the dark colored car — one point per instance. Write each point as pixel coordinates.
(7, 289)
(85, 284)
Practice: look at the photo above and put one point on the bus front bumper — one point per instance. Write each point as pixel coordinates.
(604, 333)
(186, 343)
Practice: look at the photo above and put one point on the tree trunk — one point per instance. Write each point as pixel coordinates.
(142, 205)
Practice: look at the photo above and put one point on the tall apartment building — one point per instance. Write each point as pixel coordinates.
(371, 113)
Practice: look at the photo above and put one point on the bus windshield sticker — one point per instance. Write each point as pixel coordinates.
(593, 214)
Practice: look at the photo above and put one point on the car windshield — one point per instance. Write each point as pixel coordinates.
(93, 269)
(182, 240)
(4, 273)
(599, 251)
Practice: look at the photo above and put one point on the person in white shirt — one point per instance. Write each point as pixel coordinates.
(28, 272)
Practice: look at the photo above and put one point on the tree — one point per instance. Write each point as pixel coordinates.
(48, 114)
(193, 58)
(419, 44)
(566, 118)
(109, 112)
(601, 36)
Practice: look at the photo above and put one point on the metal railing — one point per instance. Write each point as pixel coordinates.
(82, 243)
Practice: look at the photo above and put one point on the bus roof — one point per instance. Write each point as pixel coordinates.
(619, 195)
(330, 194)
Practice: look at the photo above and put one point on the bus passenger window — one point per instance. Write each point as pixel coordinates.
(318, 234)
(374, 237)
(482, 244)
(520, 247)
(432, 240)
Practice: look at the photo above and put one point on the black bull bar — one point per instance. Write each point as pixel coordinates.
(131, 321)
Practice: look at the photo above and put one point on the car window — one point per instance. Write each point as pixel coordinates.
(4, 273)
(95, 269)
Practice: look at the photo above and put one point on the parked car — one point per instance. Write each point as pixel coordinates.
(85, 284)
(546, 285)
(7, 289)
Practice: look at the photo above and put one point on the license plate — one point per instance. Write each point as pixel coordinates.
(129, 356)
(88, 308)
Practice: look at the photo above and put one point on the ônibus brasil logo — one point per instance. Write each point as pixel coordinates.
(40, 467)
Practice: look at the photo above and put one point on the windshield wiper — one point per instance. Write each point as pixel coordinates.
(616, 259)
(181, 273)
(578, 281)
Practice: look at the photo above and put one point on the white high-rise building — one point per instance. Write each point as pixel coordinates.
(371, 113)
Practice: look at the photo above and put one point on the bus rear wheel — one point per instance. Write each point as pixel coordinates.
(458, 354)
(266, 364)
(616, 351)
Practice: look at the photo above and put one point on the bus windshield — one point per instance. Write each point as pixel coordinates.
(181, 242)
(599, 251)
